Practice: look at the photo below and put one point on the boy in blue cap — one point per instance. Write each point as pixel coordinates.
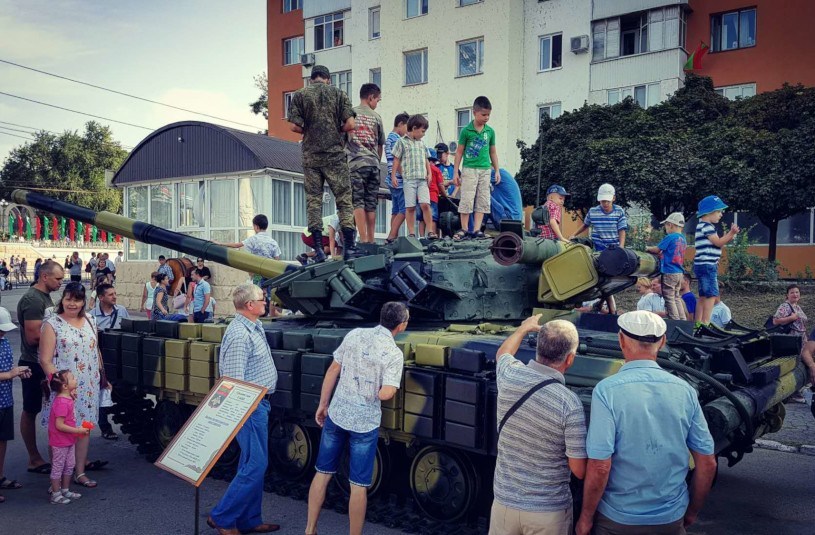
(708, 252)
(555, 197)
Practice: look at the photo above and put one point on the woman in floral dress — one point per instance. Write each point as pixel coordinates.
(69, 342)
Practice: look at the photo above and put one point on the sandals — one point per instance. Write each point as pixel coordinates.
(9, 484)
(460, 235)
(110, 435)
(432, 236)
(411, 235)
(88, 483)
(44, 468)
(95, 465)
(478, 235)
(58, 499)
(71, 495)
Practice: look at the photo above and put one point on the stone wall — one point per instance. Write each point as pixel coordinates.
(132, 275)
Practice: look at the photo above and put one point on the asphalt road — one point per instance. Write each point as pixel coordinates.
(768, 492)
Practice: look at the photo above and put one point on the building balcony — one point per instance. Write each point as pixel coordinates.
(616, 8)
(337, 59)
(637, 69)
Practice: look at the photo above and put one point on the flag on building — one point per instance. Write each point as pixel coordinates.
(694, 62)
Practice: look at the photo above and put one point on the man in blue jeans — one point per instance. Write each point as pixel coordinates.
(245, 355)
(371, 366)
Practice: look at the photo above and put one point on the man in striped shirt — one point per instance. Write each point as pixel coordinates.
(543, 440)
(607, 221)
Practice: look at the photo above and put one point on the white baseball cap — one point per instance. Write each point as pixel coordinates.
(605, 193)
(675, 218)
(5, 321)
(642, 325)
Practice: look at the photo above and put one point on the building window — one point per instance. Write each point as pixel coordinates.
(549, 110)
(373, 23)
(292, 5)
(292, 48)
(462, 3)
(648, 31)
(343, 81)
(645, 95)
(375, 77)
(287, 103)
(416, 67)
(415, 8)
(736, 29)
(733, 92)
(551, 52)
(328, 31)
(191, 204)
(463, 117)
(471, 57)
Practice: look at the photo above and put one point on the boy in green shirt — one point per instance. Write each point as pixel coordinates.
(476, 147)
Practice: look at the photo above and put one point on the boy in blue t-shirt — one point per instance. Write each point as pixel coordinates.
(397, 193)
(607, 221)
(672, 261)
(7, 372)
(708, 252)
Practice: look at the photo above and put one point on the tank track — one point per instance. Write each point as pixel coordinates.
(135, 412)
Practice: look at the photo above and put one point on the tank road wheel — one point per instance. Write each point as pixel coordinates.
(291, 450)
(443, 483)
(382, 471)
(168, 419)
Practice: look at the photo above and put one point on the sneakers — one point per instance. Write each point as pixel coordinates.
(302, 258)
(57, 498)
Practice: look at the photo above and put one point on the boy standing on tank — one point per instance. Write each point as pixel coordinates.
(708, 253)
(672, 264)
(410, 157)
(476, 154)
(395, 179)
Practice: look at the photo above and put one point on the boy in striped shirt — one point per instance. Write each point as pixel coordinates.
(708, 252)
(607, 221)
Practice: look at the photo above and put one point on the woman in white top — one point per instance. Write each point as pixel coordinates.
(148, 294)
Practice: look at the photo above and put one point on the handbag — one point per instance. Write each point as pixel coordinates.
(780, 329)
(105, 398)
(179, 301)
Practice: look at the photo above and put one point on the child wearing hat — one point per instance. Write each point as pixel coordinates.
(607, 221)
(672, 264)
(555, 197)
(708, 253)
(7, 373)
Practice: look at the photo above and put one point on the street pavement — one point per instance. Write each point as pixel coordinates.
(767, 492)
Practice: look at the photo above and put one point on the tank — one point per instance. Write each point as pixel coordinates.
(438, 438)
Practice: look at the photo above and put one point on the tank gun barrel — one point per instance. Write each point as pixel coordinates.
(508, 248)
(152, 234)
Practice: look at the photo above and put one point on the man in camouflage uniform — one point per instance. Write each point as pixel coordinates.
(323, 113)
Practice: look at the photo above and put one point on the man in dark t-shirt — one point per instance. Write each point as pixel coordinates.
(30, 313)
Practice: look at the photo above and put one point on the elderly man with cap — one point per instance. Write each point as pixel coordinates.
(553, 213)
(643, 422)
(323, 114)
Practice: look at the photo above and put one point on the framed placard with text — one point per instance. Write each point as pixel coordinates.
(207, 433)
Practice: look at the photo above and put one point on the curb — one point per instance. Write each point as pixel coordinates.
(805, 449)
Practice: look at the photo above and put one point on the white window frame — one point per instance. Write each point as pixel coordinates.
(551, 107)
(630, 91)
(342, 80)
(420, 4)
(551, 39)
(287, 96)
(459, 125)
(373, 74)
(424, 70)
(723, 90)
(325, 20)
(293, 59)
(660, 28)
(375, 13)
(292, 5)
(479, 56)
(465, 3)
(715, 44)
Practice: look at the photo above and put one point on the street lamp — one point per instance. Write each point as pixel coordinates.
(3, 205)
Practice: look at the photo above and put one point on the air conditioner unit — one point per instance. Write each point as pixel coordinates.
(580, 44)
(307, 60)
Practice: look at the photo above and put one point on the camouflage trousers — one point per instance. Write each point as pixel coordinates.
(338, 177)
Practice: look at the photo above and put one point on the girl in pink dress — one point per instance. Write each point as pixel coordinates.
(62, 435)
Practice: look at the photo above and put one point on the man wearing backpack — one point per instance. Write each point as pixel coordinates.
(539, 419)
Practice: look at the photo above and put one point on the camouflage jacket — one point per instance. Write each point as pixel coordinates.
(321, 110)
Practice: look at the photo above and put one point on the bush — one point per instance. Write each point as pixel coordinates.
(741, 265)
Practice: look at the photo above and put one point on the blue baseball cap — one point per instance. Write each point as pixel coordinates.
(557, 188)
(432, 155)
(710, 204)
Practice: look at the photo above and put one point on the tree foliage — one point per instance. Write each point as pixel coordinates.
(69, 166)
(261, 105)
(756, 153)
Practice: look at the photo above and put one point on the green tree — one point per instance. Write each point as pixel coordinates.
(69, 166)
(261, 105)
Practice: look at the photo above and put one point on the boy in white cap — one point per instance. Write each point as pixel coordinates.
(7, 372)
(708, 253)
(643, 422)
(672, 264)
(607, 221)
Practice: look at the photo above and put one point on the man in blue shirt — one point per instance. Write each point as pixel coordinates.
(506, 200)
(643, 422)
(201, 298)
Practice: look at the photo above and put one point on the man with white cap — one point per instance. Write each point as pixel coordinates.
(643, 422)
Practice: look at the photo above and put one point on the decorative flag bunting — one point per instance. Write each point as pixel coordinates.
(694, 62)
